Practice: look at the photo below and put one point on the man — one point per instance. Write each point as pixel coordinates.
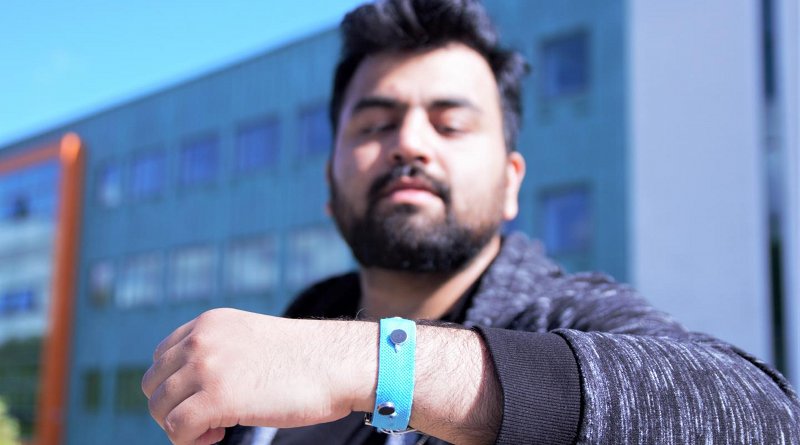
(426, 112)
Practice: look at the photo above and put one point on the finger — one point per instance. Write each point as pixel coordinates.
(211, 436)
(171, 393)
(173, 339)
(169, 362)
(192, 418)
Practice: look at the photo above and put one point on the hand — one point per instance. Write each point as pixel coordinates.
(229, 367)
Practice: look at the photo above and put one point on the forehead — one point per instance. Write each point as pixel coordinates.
(451, 71)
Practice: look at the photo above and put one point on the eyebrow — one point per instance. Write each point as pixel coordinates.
(455, 102)
(380, 102)
(388, 103)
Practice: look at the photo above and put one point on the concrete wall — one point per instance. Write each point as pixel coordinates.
(788, 50)
(698, 216)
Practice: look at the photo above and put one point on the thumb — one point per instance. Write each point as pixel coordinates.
(211, 436)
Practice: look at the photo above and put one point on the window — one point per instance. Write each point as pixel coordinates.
(567, 221)
(257, 146)
(92, 390)
(17, 301)
(148, 175)
(101, 283)
(199, 162)
(314, 253)
(252, 265)
(192, 274)
(565, 65)
(315, 132)
(29, 193)
(128, 396)
(108, 186)
(140, 282)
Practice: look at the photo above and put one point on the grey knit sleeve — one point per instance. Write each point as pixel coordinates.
(646, 380)
(639, 389)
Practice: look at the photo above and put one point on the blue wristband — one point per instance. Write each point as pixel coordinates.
(395, 392)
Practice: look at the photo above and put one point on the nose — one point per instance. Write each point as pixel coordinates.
(414, 141)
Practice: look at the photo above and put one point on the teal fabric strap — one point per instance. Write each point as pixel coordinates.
(395, 392)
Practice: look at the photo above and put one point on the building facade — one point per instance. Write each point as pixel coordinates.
(211, 192)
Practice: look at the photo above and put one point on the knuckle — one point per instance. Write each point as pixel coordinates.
(213, 314)
(203, 370)
(175, 424)
(168, 388)
(195, 342)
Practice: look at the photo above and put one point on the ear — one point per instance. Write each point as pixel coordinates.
(515, 173)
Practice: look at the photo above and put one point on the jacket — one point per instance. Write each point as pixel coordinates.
(583, 359)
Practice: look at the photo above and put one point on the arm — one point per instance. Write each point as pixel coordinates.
(641, 389)
(230, 367)
(662, 389)
(644, 378)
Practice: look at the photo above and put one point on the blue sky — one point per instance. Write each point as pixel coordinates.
(63, 60)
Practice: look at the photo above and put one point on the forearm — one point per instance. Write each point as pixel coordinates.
(229, 367)
(659, 390)
(457, 396)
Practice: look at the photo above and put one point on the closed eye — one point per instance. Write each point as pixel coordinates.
(449, 129)
(378, 128)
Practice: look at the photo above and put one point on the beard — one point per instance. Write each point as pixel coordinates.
(394, 238)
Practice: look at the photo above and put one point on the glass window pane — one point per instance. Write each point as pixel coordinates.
(257, 146)
(148, 175)
(199, 162)
(29, 193)
(92, 390)
(567, 221)
(108, 186)
(140, 281)
(316, 137)
(128, 396)
(252, 265)
(192, 274)
(101, 283)
(315, 253)
(19, 379)
(17, 301)
(566, 65)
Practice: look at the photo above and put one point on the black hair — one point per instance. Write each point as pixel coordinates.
(414, 25)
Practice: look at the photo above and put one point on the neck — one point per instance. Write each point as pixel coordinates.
(389, 293)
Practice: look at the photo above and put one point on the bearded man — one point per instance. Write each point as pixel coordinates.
(426, 111)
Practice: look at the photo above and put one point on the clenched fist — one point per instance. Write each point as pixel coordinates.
(229, 367)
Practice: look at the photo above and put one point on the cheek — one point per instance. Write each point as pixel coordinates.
(353, 171)
(477, 187)
(352, 158)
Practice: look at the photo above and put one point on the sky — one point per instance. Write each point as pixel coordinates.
(60, 61)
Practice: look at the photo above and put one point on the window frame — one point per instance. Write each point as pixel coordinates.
(272, 122)
(305, 151)
(545, 94)
(215, 142)
(135, 158)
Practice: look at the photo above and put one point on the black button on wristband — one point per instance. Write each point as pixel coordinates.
(386, 409)
(398, 336)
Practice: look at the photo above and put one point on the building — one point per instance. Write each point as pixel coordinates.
(644, 140)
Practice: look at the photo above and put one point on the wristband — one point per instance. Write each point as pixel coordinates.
(395, 392)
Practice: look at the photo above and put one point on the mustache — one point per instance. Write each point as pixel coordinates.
(415, 171)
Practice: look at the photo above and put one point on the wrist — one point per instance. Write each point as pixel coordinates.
(356, 360)
(456, 396)
(396, 376)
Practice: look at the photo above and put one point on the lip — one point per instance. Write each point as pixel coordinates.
(410, 184)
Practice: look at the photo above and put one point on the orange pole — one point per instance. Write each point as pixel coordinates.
(51, 409)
